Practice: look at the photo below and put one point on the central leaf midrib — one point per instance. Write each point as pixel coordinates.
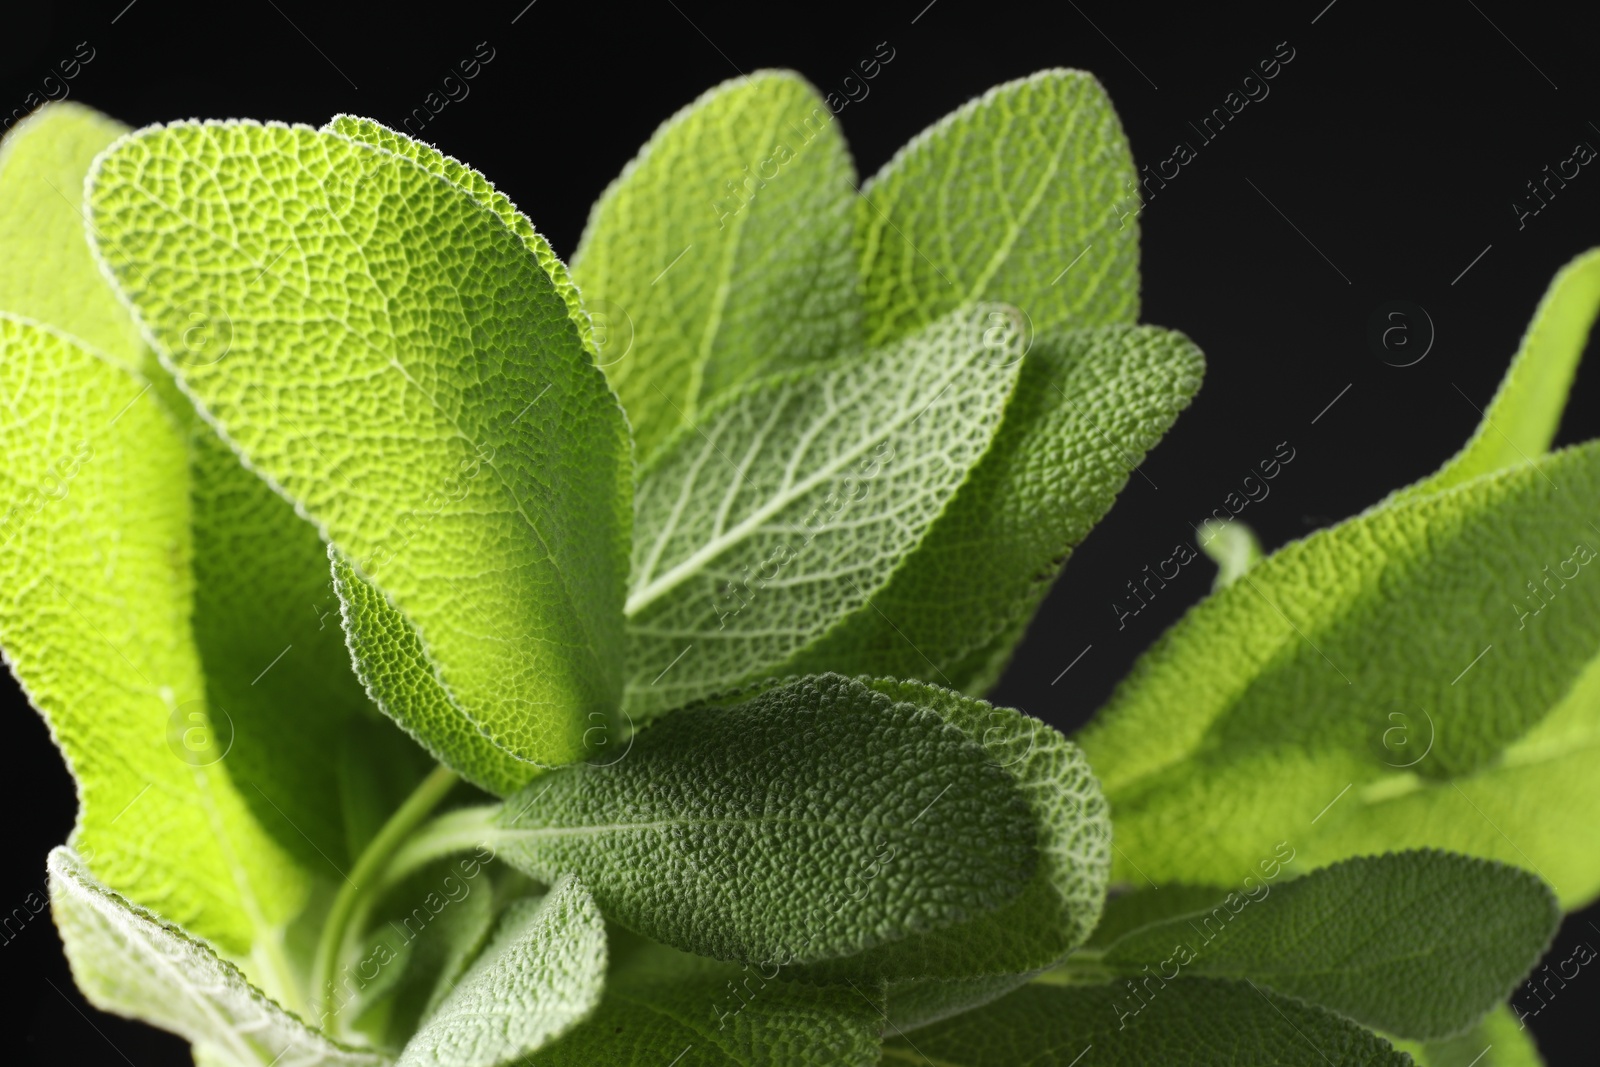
(716, 546)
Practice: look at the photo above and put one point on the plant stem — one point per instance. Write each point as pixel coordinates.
(367, 874)
(454, 831)
(1083, 967)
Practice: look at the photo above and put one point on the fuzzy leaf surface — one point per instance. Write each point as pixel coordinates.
(957, 965)
(127, 961)
(1323, 671)
(95, 553)
(795, 500)
(1188, 1023)
(815, 820)
(538, 978)
(401, 367)
(1419, 944)
(720, 270)
(1026, 195)
(660, 1004)
(1087, 407)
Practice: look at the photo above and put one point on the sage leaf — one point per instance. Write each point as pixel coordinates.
(95, 553)
(946, 970)
(724, 250)
(127, 961)
(1087, 407)
(1027, 195)
(816, 819)
(540, 975)
(1187, 1023)
(405, 371)
(1323, 671)
(1418, 944)
(792, 502)
(666, 1007)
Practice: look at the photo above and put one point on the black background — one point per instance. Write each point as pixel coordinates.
(1384, 161)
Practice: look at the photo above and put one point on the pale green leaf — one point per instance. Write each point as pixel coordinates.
(1027, 195)
(1499, 1041)
(1525, 413)
(1420, 944)
(726, 245)
(402, 368)
(793, 502)
(394, 666)
(1522, 809)
(264, 614)
(929, 973)
(94, 617)
(1187, 1023)
(1087, 407)
(482, 190)
(1232, 546)
(664, 1008)
(1325, 671)
(127, 961)
(815, 820)
(540, 976)
(46, 272)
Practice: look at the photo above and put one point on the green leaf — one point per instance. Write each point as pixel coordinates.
(814, 820)
(1420, 944)
(480, 189)
(127, 961)
(393, 664)
(1498, 1041)
(264, 616)
(1324, 671)
(1087, 406)
(1186, 1023)
(1025, 195)
(1232, 546)
(1526, 411)
(726, 245)
(936, 973)
(403, 369)
(94, 618)
(46, 272)
(1522, 809)
(540, 976)
(794, 500)
(665, 1007)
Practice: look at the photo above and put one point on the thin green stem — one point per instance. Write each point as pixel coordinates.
(1084, 967)
(454, 831)
(366, 878)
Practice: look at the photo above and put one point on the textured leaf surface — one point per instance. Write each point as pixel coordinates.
(94, 617)
(46, 272)
(262, 605)
(1087, 406)
(1498, 1041)
(403, 369)
(726, 245)
(1522, 809)
(392, 663)
(127, 961)
(1024, 195)
(540, 975)
(1324, 670)
(1522, 420)
(1197, 1023)
(1419, 944)
(666, 1007)
(815, 820)
(1055, 912)
(480, 189)
(794, 501)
